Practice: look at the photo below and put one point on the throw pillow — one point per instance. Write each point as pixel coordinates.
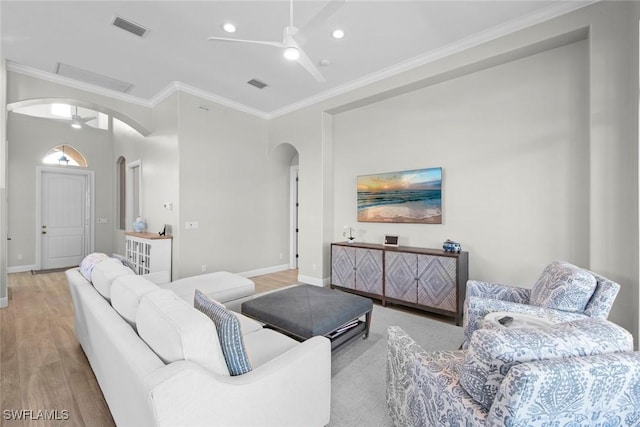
(229, 333)
(90, 261)
(125, 262)
(563, 286)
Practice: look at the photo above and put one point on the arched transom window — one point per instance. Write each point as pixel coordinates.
(65, 155)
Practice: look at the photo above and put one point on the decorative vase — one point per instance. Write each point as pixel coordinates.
(140, 225)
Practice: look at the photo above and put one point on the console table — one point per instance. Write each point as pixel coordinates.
(148, 252)
(427, 279)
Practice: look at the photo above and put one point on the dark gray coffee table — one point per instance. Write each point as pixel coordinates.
(305, 311)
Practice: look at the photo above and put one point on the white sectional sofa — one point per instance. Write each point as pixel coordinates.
(159, 362)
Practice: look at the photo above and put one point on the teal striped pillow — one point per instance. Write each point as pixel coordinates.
(229, 333)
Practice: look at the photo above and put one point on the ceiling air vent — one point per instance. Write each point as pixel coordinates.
(129, 26)
(257, 83)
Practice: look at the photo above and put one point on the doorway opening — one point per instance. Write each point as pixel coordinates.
(294, 215)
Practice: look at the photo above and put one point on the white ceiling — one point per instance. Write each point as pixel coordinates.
(382, 38)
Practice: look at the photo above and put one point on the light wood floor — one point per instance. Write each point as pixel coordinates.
(43, 368)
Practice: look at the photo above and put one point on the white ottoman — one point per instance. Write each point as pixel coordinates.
(221, 286)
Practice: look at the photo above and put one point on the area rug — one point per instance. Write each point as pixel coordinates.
(359, 366)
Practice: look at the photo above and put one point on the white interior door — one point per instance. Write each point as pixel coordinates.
(65, 216)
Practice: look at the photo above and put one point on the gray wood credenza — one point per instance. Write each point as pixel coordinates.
(427, 279)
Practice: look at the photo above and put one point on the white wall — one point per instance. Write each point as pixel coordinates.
(234, 187)
(512, 144)
(29, 140)
(158, 154)
(596, 141)
(305, 130)
(4, 298)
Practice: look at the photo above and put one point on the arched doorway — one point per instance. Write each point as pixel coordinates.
(289, 152)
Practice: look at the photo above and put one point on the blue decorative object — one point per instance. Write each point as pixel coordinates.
(140, 225)
(451, 246)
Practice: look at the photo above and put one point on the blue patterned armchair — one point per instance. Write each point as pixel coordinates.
(575, 374)
(564, 292)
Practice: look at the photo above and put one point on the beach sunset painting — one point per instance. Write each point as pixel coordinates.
(413, 196)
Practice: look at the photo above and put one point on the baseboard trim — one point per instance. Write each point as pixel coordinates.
(4, 302)
(21, 268)
(266, 270)
(314, 280)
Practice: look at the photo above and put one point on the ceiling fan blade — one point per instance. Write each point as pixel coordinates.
(318, 19)
(87, 119)
(226, 39)
(306, 63)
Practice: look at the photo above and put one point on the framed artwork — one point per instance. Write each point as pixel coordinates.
(413, 196)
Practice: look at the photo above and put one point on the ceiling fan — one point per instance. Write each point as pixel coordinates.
(76, 121)
(293, 38)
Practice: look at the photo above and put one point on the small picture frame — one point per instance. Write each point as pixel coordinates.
(391, 240)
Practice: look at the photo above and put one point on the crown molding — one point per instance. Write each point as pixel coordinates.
(488, 35)
(550, 12)
(65, 81)
(225, 102)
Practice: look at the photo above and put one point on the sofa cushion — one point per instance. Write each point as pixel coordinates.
(105, 272)
(90, 261)
(247, 325)
(221, 286)
(229, 333)
(265, 345)
(174, 330)
(563, 286)
(126, 293)
(492, 352)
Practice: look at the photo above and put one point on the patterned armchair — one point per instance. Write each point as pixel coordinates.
(575, 374)
(563, 293)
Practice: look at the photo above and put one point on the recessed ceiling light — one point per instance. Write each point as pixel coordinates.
(325, 62)
(337, 34)
(229, 27)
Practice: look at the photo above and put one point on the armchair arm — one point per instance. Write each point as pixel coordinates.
(475, 308)
(423, 388)
(476, 288)
(597, 390)
(291, 390)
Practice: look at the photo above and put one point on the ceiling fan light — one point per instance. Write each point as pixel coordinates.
(76, 125)
(291, 53)
(337, 34)
(229, 27)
